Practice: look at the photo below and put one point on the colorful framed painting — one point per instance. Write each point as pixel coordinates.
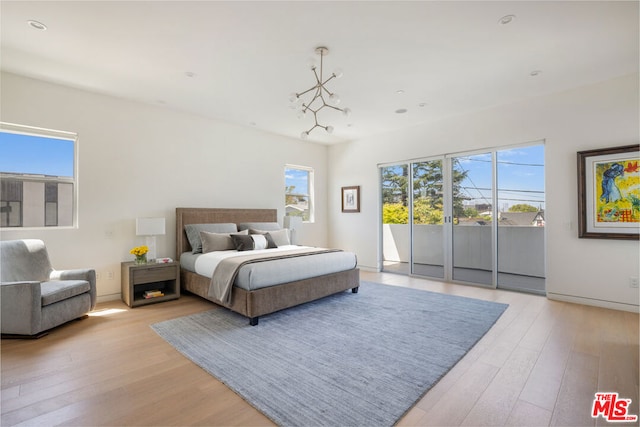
(609, 193)
(351, 199)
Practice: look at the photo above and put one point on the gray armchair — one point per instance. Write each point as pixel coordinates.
(33, 296)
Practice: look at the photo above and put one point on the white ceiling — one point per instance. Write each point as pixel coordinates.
(248, 57)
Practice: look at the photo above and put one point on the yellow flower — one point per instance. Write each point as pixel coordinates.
(139, 250)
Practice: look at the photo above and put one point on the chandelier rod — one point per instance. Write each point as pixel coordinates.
(319, 95)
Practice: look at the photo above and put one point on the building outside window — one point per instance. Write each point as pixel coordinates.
(298, 184)
(38, 183)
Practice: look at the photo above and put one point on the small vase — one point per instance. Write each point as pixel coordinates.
(141, 259)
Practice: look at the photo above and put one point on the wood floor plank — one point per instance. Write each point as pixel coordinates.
(495, 404)
(539, 332)
(525, 414)
(540, 364)
(574, 403)
(543, 384)
(618, 368)
(455, 404)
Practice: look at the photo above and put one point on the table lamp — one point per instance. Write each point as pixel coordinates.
(150, 227)
(293, 223)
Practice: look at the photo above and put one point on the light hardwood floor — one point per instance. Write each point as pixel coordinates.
(539, 365)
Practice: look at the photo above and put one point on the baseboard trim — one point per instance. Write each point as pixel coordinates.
(369, 269)
(633, 308)
(109, 297)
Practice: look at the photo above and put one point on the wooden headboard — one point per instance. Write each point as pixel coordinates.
(186, 216)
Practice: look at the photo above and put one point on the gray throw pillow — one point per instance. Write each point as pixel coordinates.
(212, 242)
(266, 226)
(251, 242)
(280, 237)
(193, 233)
(242, 242)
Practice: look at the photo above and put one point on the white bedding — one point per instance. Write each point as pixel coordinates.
(206, 264)
(273, 272)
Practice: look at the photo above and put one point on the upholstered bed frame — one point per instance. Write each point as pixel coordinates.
(256, 303)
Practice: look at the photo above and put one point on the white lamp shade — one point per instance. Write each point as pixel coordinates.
(293, 223)
(150, 226)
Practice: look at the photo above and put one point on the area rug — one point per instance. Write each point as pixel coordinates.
(346, 360)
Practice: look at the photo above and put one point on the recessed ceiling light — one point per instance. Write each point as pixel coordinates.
(190, 74)
(422, 104)
(36, 25)
(507, 19)
(535, 73)
(401, 110)
(400, 91)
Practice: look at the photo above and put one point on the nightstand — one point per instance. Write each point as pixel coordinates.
(137, 279)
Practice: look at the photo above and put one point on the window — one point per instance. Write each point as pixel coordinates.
(298, 192)
(37, 177)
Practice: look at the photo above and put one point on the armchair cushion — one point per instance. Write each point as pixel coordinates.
(60, 290)
(83, 274)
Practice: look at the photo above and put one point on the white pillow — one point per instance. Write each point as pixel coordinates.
(259, 241)
(280, 237)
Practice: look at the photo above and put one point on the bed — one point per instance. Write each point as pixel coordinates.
(265, 299)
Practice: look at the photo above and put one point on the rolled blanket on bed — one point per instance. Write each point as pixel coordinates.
(227, 270)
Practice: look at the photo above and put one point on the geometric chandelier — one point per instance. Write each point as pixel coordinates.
(320, 96)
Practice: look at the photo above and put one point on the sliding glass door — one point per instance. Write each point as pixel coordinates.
(427, 231)
(473, 218)
(521, 204)
(472, 225)
(395, 219)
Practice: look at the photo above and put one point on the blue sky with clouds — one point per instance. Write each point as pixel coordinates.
(297, 178)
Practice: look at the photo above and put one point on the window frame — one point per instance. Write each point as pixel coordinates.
(46, 180)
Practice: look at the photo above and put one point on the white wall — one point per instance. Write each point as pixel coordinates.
(138, 160)
(601, 115)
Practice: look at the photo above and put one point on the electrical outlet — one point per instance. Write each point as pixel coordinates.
(98, 275)
(110, 275)
(633, 282)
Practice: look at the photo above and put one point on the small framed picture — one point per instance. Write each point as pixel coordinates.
(351, 199)
(609, 193)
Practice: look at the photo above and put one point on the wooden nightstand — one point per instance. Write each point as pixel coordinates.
(139, 278)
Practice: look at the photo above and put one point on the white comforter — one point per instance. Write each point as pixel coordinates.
(273, 272)
(206, 263)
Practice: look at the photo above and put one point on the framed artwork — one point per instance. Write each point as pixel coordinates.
(609, 193)
(351, 199)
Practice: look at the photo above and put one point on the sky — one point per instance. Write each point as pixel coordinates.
(35, 155)
(520, 176)
(298, 178)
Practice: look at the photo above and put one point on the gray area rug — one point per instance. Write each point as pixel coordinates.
(346, 360)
